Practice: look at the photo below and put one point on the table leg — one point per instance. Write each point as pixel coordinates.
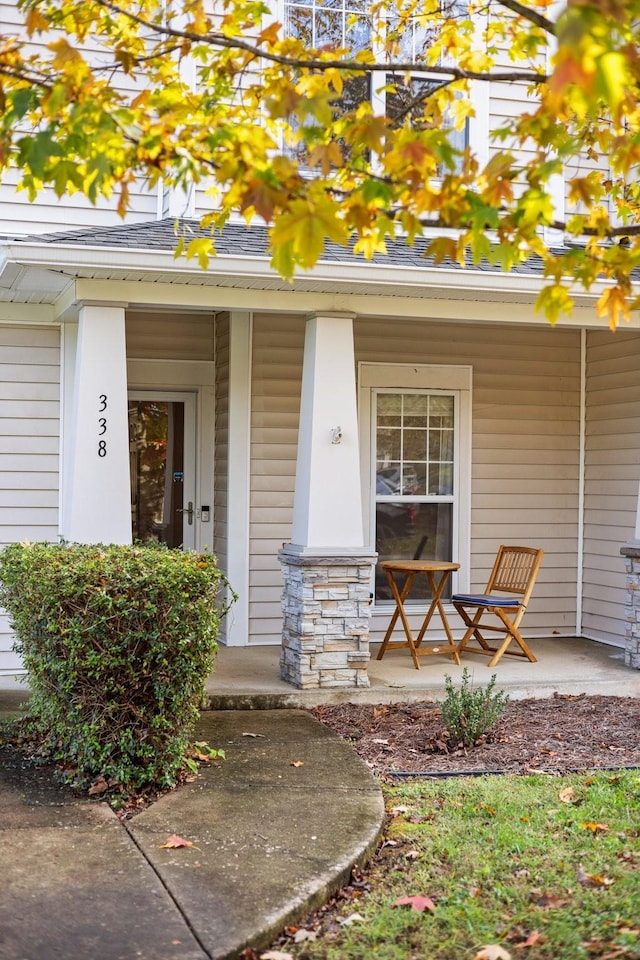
(437, 590)
(399, 612)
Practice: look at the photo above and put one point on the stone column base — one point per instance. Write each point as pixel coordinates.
(631, 553)
(326, 612)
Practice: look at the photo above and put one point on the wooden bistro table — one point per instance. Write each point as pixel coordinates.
(437, 573)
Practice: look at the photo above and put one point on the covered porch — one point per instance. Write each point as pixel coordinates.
(249, 677)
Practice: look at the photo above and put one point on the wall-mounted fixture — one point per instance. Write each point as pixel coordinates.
(336, 435)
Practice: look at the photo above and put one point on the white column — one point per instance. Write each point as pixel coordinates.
(97, 495)
(327, 513)
(239, 429)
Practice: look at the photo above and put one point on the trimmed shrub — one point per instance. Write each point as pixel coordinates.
(469, 713)
(118, 642)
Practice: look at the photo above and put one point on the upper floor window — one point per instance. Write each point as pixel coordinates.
(347, 24)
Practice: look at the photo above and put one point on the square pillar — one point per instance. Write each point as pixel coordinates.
(96, 475)
(631, 553)
(327, 568)
(325, 606)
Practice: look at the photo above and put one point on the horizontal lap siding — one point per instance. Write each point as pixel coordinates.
(525, 444)
(525, 423)
(29, 444)
(278, 344)
(612, 475)
(169, 336)
(48, 212)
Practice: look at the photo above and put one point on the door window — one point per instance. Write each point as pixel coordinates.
(162, 475)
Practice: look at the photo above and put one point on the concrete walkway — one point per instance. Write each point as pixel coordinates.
(276, 828)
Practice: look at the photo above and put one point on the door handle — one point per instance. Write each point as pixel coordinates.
(189, 512)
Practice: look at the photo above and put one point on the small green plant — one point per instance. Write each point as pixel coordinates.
(470, 712)
(118, 642)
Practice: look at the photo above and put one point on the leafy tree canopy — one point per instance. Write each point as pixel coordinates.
(269, 122)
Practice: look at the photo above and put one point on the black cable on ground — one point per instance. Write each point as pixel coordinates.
(451, 774)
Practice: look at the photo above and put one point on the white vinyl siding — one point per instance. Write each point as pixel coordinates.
(278, 345)
(48, 212)
(29, 445)
(612, 476)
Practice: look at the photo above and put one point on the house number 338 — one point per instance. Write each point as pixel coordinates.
(102, 425)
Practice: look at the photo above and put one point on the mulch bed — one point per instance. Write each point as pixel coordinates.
(560, 734)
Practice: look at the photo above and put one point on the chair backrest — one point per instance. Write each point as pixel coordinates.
(515, 571)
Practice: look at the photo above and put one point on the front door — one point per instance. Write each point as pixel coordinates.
(162, 458)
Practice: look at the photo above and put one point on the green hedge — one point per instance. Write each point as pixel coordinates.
(118, 642)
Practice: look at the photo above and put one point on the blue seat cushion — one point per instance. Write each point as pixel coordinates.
(484, 600)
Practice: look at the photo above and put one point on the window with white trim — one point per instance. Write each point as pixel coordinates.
(418, 470)
(348, 24)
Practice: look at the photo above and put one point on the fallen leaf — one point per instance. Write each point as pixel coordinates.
(492, 951)
(595, 827)
(352, 918)
(98, 786)
(379, 740)
(568, 795)
(297, 763)
(418, 903)
(276, 955)
(547, 901)
(534, 937)
(593, 879)
(301, 935)
(626, 855)
(254, 735)
(174, 842)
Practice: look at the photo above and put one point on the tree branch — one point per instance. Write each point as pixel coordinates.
(355, 66)
(532, 16)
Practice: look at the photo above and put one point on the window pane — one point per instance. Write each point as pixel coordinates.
(441, 412)
(358, 35)
(406, 101)
(299, 23)
(354, 92)
(441, 480)
(389, 480)
(329, 28)
(412, 531)
(415, 409)
(388, 445)
(389, 409)
(415, 445)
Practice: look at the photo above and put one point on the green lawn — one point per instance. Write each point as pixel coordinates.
(529, 867)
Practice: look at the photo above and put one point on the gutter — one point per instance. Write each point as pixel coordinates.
(68, 258)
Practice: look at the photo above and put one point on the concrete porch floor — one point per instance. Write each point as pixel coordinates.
(249, 677)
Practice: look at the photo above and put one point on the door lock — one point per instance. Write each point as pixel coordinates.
(189, 512)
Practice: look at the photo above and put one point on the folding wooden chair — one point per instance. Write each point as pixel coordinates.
(506, 596)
